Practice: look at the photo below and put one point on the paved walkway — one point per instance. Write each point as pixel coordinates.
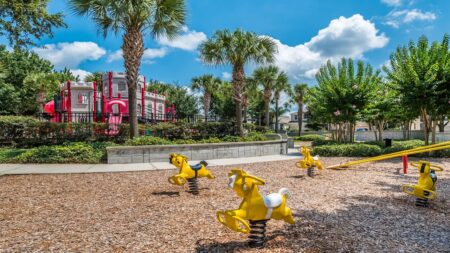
(17, 169)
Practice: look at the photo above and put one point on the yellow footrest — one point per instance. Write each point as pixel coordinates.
(419, 192)
(233, 222)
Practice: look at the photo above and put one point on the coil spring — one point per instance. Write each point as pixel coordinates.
(193, 186)
(423, 202)
(310, 172)
(257, 237)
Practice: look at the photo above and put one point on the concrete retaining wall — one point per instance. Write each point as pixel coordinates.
(160, 153)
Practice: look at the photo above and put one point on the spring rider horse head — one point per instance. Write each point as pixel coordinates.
(309, 162)
(425, 189)
(254, 207)
(188, 173)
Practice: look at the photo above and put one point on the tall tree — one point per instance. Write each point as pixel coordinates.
(222, 103)
(237, 49)
(342, 92)
(207, 84)
(134, 18)
(23, 21)
(44, 85)
(418, 72)
(266, 77)
(18, 64)
(281, 85)
(185, 104)
(299, 93)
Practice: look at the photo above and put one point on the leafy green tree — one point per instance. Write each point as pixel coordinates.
(95, 77)
(134, 18)
(44, 85)
(67, 75)
(418, 72)
(281, 85)
(185, 104)
(207, 84)
(299, 93)
(341, 94)
(382, 108)
(23, 21)
(222, 103)
(237, 49)
(18, 64)
(266, 77)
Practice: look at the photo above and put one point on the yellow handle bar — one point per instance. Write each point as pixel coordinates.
(435, 167)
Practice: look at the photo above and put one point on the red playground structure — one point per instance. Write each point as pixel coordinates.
(85, 102)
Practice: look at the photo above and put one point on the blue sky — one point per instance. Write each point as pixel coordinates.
(308, 33)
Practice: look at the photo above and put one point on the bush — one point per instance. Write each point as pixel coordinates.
(403, 145)
(148, 140)
(29, 132)
(357, 150)
(9, 155)
(69, 153)
(310, 137)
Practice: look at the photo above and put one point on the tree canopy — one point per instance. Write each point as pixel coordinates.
(24, 21)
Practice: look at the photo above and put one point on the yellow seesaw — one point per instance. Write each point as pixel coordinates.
(439, 146)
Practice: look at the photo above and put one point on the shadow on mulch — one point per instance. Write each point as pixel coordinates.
(203, 246)
(369, 224)
(166, 193)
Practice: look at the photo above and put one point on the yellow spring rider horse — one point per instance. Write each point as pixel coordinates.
(188, 173)
(309, 162)
(254, 207)
(425, 189)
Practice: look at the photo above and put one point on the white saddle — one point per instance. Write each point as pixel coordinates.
(315, 158)
(273, 200)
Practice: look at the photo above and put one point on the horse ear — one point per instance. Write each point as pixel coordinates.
(257, 179)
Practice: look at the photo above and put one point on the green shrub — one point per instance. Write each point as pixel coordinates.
(9, 155)
(319, 142)
(357, 150)
(310, 137)
(70, 153)
(148, 140)
(403, 145)
(231, 138)
(254, 136)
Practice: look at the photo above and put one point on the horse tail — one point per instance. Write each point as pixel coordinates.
(285, 192)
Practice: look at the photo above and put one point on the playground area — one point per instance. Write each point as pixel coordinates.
(354, 210)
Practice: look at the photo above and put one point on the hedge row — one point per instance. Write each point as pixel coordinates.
(309, 137)
(374, 149)
(152, 140)
(28, 132)
(74, 152)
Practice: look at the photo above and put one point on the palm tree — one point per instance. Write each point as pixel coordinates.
(238, 48)
(266, 77)
(298, 96)
(208, 84)
(134, 18)
(281, 85)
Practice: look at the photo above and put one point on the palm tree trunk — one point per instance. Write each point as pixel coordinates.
(206, 103)
(276, 115)
(133, 49)
(238, 82)
(267, 96)
(300, 117)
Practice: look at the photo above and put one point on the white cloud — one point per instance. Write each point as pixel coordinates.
(188, 40)
(149, 54)
(70, 55)
(397, 17)
(226, 75)
(80, 73)
(344, 37)
(392, 2)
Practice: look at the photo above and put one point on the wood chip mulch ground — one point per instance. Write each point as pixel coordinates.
(357, 210)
